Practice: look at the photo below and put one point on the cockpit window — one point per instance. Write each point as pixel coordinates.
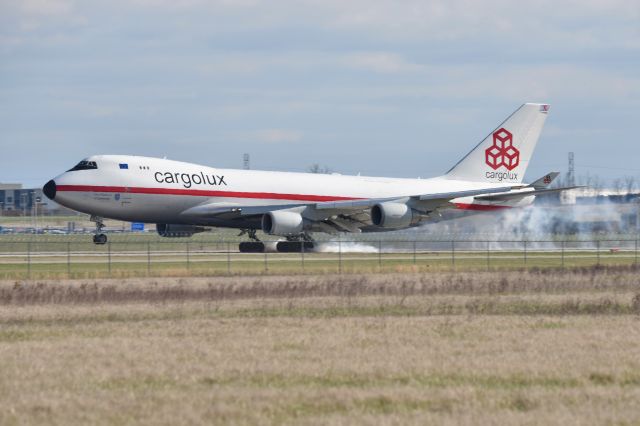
(84, 165)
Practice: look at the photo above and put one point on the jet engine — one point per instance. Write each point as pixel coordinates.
(280, 222)
(177, 231)
(393, 215)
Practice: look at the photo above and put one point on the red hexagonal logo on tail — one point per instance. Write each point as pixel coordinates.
(502, 152)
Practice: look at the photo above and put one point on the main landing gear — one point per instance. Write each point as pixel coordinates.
(99, 237)
(296, 244)
(293, 244)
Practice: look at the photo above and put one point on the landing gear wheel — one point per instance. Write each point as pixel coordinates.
(294, 246)
(100, 239)
(251, 247)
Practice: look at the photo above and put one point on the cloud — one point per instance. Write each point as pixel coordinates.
(278, 136)
(360, 77)
(382, 62)
(31, 15)
(46, 7)
(256, 62)
(575, 23)
(268, 136)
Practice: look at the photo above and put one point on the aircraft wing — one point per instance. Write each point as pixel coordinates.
(348, 208)
(351, 205)
(351, 216)
(414, 200)
(521, 194)
(459, 194)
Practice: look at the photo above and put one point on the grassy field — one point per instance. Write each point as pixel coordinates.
(533, 347)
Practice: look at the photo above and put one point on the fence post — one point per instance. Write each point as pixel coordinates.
(109, 258)
(380, 254)
(414, 252)
(635, 261)
(598, 252)
(148, 258)
(302, 254)
(68, 259)
(453, 255)
(488, 251)
(188, 256)
(29, 260)
(339, 257)
(562, 253)
(266, 264)
(525, 253)
(228, 258)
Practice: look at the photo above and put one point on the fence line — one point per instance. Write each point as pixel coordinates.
(35, 259)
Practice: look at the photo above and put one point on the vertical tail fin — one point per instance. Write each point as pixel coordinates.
(504, 155)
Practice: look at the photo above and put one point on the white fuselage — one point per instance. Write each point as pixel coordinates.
(156, 190)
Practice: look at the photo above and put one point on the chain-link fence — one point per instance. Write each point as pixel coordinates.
(73, 259)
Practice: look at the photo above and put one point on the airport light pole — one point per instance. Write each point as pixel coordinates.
(34, 213)
(23, 200)
(34, 210)
(37, 203)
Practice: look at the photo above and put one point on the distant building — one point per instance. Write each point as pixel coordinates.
(18, 201)
(4, 186)
(8, 195)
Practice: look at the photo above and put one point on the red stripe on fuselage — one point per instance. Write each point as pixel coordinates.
(480, 207)
(202, 193)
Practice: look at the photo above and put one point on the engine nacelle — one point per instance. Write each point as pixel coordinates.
(284, 223)
(177, 231)
(393, 215)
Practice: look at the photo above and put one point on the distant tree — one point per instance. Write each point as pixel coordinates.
(630, 184)
(596, 183)
(617, 186)
(317, 168)
(593, 183)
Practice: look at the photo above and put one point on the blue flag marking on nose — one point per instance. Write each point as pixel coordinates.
(124, 166)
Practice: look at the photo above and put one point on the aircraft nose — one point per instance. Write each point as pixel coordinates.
(49, 189)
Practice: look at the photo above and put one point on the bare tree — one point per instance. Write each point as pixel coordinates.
(617, 186)
(594, 183)
(586, 181)
(317, 168)
(597, 183)
(630, 184)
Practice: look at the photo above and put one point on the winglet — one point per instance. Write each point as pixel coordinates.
(544, 181)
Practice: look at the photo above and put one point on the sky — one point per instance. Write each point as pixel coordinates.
(384, 88)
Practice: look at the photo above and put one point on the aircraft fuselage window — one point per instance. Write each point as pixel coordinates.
(84, 165)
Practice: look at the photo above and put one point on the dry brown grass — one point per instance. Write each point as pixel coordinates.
(495, 348)
(542, 281)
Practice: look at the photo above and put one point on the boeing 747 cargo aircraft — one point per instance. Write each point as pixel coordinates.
(184, 198)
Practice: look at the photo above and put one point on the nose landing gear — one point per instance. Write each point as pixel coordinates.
(99, 237)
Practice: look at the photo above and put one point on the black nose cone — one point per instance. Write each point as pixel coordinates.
(49, 189)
